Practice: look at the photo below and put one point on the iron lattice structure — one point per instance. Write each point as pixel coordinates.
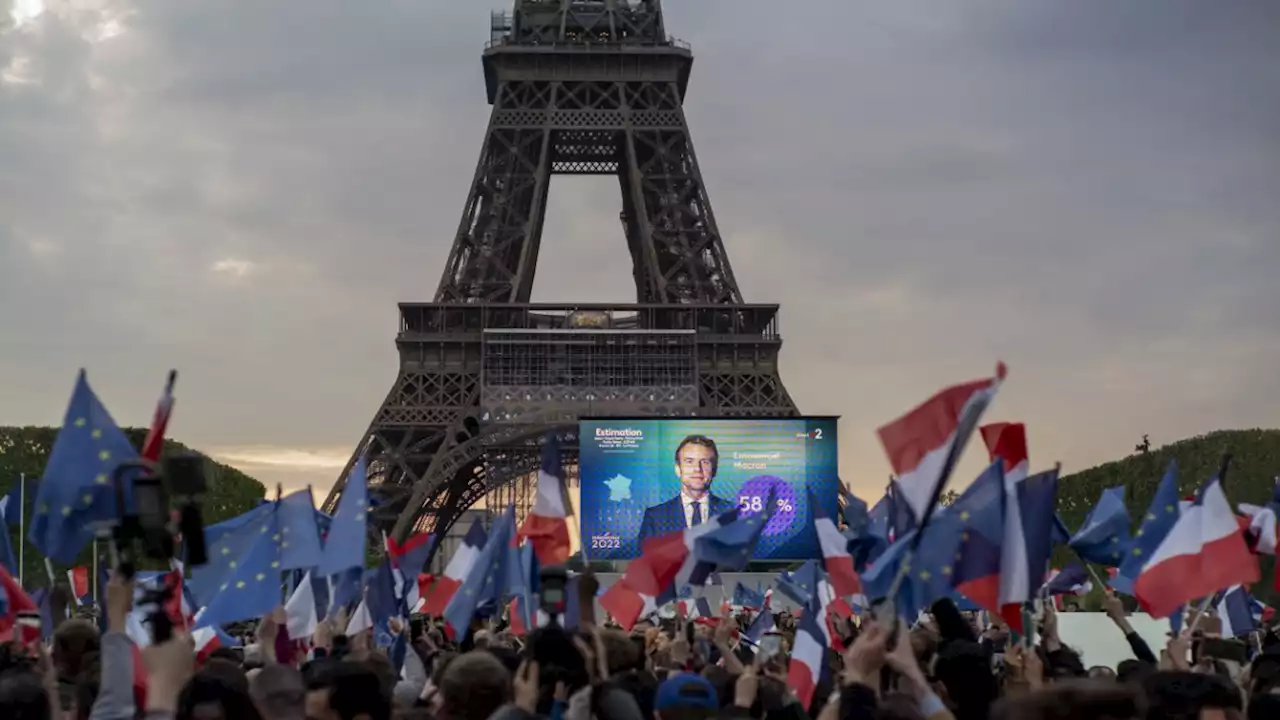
(577, 87)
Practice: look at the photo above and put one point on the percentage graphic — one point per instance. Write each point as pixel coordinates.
(755, 503)
(759, 492)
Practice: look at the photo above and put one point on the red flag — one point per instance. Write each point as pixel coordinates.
(152, 446)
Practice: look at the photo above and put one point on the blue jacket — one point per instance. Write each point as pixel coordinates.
(668, 517)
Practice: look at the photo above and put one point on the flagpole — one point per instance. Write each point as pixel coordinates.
(95, 571)
(22, 526)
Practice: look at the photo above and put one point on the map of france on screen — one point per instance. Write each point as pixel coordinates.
(644, 478)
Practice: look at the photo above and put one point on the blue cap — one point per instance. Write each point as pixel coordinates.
(685, 690)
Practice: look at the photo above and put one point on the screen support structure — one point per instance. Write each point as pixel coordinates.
(577, 87)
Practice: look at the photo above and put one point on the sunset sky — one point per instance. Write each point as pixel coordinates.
(1086, 190)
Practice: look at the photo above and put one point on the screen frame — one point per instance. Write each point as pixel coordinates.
(832, 419)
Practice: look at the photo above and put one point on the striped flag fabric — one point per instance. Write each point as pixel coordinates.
(546, 525)
(1203, 553)
(835, 551)
(153, 445)
(924, 444)
(460, 565)
(1236, 608)
(667, 563)
(809, 653)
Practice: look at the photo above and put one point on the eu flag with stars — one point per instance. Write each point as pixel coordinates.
(252, 589)
(801, 584)
(299, 536)
(1104, 537)
(1159, 519)
(227, 542)
(77, 489)
(344, 546)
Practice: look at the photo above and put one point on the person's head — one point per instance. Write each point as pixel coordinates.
(279, 693)
(474, 686)
(346, 691)
(76, 643)
(232, 655)
(1075, 700)
(218, 692)
(1101, 672)
(697, 460)
(23, 697)
(1178, 695)
(685, 696)
(964, 669)
(1133, 671)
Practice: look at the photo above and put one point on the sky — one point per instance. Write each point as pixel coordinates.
(1085, 190)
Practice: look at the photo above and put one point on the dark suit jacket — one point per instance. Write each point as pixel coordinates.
(668, 517)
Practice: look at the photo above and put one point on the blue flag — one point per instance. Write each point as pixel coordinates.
(483, 584)
(77, 489)
(253, 588)
(761, 625)
(801, 584)
(380, 594)
(343, 589)
(743, 595)
(856, 515)
(227, 543)
(10, 504)
(1071, 580)
(731, 545)
(1159, 519)
(299, 536)
(1104, 537)
(345, 546)
(7, 556)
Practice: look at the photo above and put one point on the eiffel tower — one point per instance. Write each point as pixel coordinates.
(583, 87)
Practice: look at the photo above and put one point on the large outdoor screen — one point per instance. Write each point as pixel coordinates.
(649, 477)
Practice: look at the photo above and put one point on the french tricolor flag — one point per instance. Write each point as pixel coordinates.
(924, 444)
(459, 567)
(14, 601)
(407, 561)
(1203, 553)
(1007, 442)
(546, 525)
(1028, 519)
(809, 654)
(1263, 525)
(154, 442)
(1236, 609)
(835, 552)
(666, 562)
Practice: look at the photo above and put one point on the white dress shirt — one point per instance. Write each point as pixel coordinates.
(704, 508)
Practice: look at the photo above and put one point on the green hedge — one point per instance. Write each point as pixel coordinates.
(26, 450)
(1255, 463)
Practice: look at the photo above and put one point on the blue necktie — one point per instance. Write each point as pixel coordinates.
(697, 514)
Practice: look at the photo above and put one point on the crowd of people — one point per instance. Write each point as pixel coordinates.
(944, 666)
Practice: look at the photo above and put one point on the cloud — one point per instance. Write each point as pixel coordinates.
(232, 267)
(1085, 190)
(293, 468)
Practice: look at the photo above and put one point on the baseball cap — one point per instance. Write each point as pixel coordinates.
(685, 690)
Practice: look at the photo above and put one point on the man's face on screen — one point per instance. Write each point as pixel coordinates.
(695, 464)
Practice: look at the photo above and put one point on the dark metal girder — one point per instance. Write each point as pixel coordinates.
(577, 87)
